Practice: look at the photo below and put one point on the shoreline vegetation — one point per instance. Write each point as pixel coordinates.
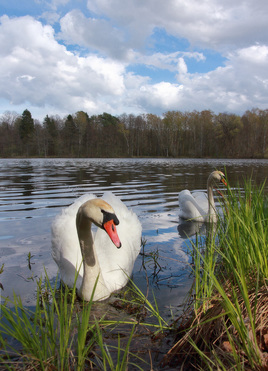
(224, 325)
(174, 134)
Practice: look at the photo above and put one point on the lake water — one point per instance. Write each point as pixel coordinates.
(33, 192)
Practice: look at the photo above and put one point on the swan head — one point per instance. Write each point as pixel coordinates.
(102, 215)
(217, 176)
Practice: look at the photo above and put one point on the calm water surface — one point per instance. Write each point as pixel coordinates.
(33, 191)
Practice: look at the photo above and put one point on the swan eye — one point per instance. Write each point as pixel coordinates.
(109, 216)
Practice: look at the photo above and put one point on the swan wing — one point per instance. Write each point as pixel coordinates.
(193, 205)
(65, 244)
(201, 199)
(117, 264)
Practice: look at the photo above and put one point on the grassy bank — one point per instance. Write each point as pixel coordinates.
(63, 333)
(228, 327)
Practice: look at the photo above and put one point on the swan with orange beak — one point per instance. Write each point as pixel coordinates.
(200, 206)
(102, 268)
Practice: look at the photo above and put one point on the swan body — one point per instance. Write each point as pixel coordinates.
(200, 206)
(106, 256)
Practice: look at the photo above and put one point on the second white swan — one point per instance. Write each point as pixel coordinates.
(200, 206)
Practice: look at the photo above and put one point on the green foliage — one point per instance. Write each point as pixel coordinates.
(107, 362)
(62, 333)
(231, 286)
(26, 126)
(55, 334)
(176, 134)
(107, 119)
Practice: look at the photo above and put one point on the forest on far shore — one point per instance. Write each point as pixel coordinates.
(174, 134)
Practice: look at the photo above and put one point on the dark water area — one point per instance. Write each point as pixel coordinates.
(33, 192)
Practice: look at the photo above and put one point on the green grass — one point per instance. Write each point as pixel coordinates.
(228, 324)
(54, 334)
(62, 333)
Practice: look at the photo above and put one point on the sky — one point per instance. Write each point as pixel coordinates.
(58, 57)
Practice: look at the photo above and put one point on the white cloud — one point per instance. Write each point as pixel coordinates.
(36, 69)
(236, 87)
(163, 95)
(94, 34)
(210, 24)
(89, 65)
(182, 67)
(50, 17)
(168, 61)
(233, 87)
(54, 4)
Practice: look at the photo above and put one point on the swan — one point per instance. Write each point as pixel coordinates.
(200, 206)
(102, 257)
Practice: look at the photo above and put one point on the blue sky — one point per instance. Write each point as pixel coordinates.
(133, 56)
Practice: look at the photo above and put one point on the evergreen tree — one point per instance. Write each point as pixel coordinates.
(51, 132)
(26, 130)
(26, 126)
(71, 137)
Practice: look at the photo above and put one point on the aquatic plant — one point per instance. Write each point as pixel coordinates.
(228, 326)
(45, 337)
(1, 271)
(61, 332)
(29, 257)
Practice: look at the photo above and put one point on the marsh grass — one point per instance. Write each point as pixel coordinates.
(122, 361)
(1, 271)
(227, 327)
(137, 302)
(63, 333)
(54, 334)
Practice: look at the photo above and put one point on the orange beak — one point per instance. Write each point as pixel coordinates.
(224, 181)
(110, 228)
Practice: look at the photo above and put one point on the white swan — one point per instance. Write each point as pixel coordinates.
(200, 206)
(71, 234)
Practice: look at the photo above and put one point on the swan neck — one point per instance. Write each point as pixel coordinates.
(211, 202)
(86, 242)
(92, 277)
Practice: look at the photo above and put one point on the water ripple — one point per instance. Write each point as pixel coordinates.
(33, 191)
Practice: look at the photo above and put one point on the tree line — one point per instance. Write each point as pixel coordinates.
(174, 134)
